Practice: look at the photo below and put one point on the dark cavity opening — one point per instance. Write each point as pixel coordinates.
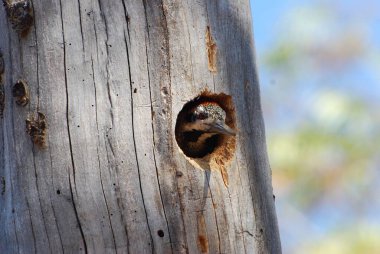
(160, 233)
(198, 144)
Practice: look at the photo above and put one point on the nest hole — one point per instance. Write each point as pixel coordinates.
(20, 91)
(218, 147)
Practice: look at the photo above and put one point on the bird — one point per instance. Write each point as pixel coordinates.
(200, 127)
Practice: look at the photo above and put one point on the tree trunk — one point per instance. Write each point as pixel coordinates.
(111, 78)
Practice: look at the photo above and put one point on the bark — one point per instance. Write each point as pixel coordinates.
(110, 78)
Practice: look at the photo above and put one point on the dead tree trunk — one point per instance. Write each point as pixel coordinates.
(109, 79)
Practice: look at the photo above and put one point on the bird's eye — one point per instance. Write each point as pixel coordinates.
(202, 116)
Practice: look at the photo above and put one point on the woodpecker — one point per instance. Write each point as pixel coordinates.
(201, 127)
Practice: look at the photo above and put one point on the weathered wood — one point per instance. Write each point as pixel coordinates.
(111, 78)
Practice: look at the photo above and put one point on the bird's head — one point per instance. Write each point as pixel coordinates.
(208, 117)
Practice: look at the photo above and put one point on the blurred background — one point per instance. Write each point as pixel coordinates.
(319, 68)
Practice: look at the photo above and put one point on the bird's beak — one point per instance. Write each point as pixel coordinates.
(221, 128)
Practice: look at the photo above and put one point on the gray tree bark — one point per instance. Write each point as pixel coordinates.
(111, 78)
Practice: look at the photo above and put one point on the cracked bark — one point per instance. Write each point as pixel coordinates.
(111, 78)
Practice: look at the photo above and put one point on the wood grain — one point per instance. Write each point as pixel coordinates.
(111, 78)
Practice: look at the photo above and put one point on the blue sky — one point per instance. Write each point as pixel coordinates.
(325, 64)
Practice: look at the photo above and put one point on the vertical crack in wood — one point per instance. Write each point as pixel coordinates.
(97, 153)
(31, 225)
(95, 31)
(108, 62)
(77, 217)
(37, 61)
(56, 223)
(133, 124)
(105, 200)
(39, 199)
(152, 124)
(69, 134)
(167, 47)
(96, 39)
(51, 202)
(170, 119)
(119, 204)
(216, 217)
(80, 25)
